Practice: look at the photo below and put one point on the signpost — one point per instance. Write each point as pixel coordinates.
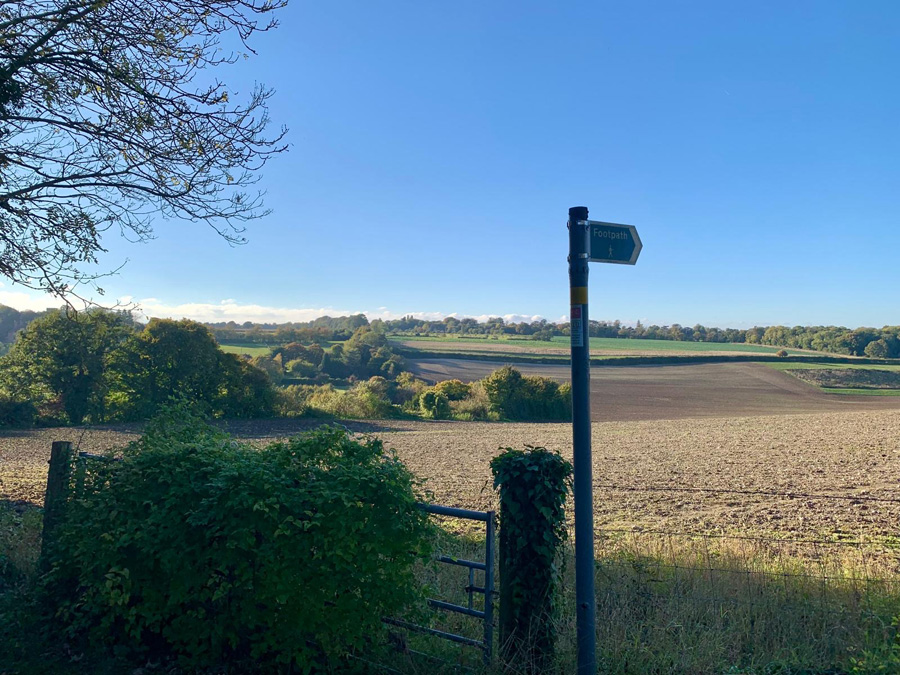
(589, 241)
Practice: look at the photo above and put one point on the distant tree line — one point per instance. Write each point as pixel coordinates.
(323, 330)
(874, 342)
(308, 350)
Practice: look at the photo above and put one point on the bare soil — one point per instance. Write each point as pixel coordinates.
(645, 472)
(501, 347)
(675, 392)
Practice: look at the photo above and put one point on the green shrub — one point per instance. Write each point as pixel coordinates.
(434, 404)
(20, 542)
(407, 391)
(366, 400)
(293, 400)
(454, 390)
(220, 554)
(16, 413)
(476, 406)
(518, 397)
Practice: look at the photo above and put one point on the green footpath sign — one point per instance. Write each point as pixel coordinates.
(613, 243)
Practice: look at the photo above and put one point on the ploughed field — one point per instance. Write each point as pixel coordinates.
(648, 474)
(559, 346)
(673, 392)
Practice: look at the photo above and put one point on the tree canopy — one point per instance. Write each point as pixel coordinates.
(65, 356)
(104, 121)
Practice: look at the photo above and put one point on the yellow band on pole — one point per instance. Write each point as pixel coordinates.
(579, 295)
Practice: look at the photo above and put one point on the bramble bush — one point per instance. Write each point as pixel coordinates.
(212, 552)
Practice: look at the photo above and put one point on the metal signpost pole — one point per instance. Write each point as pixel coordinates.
(579, 253)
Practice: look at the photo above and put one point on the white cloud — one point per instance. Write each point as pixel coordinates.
(23, 300)
(231, 310)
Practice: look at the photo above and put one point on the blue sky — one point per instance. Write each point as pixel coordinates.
(436, 148)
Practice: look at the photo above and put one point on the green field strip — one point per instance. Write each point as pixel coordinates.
(860, 392)
(854, 364)
(250, 350)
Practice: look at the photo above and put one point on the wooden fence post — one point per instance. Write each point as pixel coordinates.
(57, 494)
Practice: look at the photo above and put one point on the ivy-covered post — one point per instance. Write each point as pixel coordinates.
(533, 484)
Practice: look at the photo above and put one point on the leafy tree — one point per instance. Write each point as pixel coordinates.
(64, 356)
(101, 125)
(301, 368)
(776, 335)
(503, 387)
(269, 366)
(244, 391)
(754, 335)
(166, 358)
(877, 349)
(361, 347)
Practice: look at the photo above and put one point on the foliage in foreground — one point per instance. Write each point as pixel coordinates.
(661, 609)
(200, 548)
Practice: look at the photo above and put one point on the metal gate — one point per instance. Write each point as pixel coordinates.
(487, 589)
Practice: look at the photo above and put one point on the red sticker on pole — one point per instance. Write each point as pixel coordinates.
(576, 327)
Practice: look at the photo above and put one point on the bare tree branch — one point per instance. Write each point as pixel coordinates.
(102, 125)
